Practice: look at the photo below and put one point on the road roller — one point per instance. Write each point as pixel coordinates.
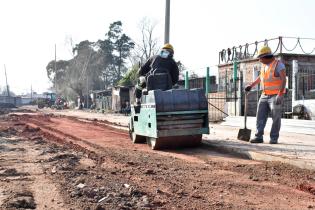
(170, 118)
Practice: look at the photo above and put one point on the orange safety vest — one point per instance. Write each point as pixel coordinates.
(270, 84)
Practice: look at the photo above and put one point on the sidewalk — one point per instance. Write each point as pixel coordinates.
(116, 119)
(287, 125)
(295, 147)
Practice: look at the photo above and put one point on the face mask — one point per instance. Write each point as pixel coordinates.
(164, 53)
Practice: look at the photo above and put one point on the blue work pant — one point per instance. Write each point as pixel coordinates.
(267, 104)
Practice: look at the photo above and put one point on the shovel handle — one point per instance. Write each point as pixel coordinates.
(245, 110)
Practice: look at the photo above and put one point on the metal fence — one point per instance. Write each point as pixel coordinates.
(230, 100)
(253, 99)
(217, 106)
(224, 101)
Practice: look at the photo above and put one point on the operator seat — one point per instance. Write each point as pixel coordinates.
(159, 79)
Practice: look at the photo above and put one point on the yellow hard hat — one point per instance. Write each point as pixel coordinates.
(168, 46)
(264, 51)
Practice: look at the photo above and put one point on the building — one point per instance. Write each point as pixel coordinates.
(113, 99)
(121, 95)
(229, 100)
(29, 98)
(102, 99)
(9, 101)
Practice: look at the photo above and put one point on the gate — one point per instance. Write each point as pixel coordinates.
(224, 101)
(305, 81)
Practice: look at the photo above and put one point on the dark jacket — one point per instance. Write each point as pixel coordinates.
(159, 62)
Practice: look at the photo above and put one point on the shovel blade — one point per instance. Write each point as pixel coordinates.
(244, 134)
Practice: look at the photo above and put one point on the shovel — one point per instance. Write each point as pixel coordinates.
(244, 134)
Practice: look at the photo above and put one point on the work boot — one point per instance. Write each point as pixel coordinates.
(137, 106)
(256, 140)
(273, 141)
(138, 102)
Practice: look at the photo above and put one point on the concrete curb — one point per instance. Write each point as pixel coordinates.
(303, 164)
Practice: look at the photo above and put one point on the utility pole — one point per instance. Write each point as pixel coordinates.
(6, 80)
(55, 67)
(87, 90)
(31, 93)
(234, 80)
(87, 79)
(167, 22)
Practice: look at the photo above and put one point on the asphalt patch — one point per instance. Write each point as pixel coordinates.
(20, 200)
(9, 149)
(12, 172)
(6, 132)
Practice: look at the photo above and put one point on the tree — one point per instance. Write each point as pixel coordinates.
(115, 48)
(149, 43)
(94, 66)
(181, 67)
(83, 72)
(193, 75)
(69, 44)
(56, 72)
(131, 77)
(143, 50)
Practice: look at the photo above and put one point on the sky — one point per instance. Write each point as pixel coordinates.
(199, 29)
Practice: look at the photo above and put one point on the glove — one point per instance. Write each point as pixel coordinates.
(141, 82)
(248, 88)
(176, 86)
(279, 99)
(142, 79)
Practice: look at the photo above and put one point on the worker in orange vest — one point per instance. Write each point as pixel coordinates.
(272, 80)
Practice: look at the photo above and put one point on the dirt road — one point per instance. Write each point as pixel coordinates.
(49, 162)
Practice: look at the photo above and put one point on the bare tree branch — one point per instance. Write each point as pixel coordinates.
(148, 46)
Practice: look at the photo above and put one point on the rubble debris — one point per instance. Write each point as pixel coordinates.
(81, 185)
(30, 129)
(126, 185)
(54, 170)
(307, 187)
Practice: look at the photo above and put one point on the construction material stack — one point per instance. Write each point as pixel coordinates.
(170, 119)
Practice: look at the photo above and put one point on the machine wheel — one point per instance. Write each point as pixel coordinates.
(174, 142)
(133, 136)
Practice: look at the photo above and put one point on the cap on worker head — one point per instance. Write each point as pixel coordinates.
(265, 51)
(168, 46)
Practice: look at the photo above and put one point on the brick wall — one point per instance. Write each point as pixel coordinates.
(246, 68)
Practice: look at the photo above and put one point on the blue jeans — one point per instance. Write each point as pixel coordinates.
(267, 104)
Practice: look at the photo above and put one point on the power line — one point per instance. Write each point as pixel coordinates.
(55, 67)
